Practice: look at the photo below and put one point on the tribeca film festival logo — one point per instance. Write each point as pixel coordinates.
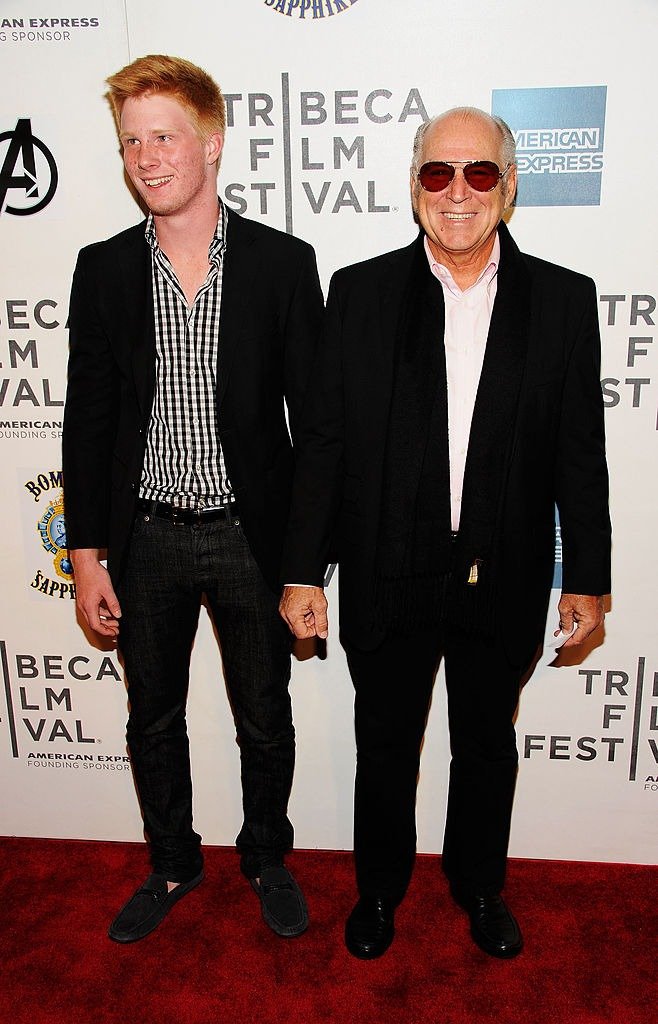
(333, 169)
(55, 578)
(625, 733)
(27, 327)
(559, 136)
(42, 30)
(28, 174)
(309, 10)
(628, 319)
(43, 722)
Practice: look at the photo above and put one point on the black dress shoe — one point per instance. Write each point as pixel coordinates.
(281, 900)
(370, 928)
(493, 925)
(150, 904)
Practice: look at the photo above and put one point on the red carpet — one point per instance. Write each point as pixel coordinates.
(590, 929)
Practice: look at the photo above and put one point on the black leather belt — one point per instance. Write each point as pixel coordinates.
(187, 516)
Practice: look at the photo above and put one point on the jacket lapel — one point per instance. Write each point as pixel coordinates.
(496, 405)
(415, 531)
(395, 285)
(136, 311)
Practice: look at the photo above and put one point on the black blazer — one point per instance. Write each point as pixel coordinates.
(545, 327)
(270, 320)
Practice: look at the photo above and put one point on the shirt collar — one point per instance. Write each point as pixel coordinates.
(446, 278)
(218, 241)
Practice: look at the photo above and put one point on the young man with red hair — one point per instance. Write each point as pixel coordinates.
(185, 352)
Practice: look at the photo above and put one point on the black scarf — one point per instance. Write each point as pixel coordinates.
(421, 574)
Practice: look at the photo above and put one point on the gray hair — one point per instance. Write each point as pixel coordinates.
(508, 145)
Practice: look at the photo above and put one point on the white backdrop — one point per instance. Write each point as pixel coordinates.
(324, 100)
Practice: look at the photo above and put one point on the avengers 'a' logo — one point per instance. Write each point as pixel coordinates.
(28, 168)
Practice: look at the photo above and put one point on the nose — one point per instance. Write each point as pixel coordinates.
(147, 157)
(458, 190)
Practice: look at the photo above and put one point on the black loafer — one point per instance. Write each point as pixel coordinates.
(370, 928)
(281, 900)
(148, 907)
(493, 925)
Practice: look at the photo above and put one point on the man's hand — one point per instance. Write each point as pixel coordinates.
(304, 609)
(583, 610)
(94, 594)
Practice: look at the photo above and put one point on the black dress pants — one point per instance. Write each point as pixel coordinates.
(393, 688)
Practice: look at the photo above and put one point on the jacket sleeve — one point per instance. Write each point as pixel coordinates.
(581, 470)
(301, 332)
(318, 459)
(89, 415)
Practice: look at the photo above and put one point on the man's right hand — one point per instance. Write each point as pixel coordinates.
(94, 593)
(304, 609)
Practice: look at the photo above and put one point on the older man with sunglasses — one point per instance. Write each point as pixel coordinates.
(456, 402)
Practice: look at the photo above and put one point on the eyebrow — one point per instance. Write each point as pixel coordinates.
(155, 131)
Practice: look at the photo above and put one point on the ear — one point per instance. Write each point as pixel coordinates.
(214, 146)
(510, 186)
(412, 190)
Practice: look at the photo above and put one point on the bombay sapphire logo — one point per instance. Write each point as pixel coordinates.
(309, 10)
(52, 530)
(559, 137)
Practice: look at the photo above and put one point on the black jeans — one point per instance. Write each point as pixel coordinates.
(393, 689)
(170, 568)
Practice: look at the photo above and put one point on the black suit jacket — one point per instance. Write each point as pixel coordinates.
(544, 333)
(270, 320)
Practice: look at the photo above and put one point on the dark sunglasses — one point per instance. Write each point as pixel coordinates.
(482, 175)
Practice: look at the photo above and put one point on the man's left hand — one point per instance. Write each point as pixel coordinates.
(582, 610)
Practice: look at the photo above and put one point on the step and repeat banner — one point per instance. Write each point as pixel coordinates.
(324, 98)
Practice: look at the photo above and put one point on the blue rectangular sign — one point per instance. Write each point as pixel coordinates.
(559, 137)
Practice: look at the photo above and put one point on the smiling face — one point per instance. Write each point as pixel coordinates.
(460, 222)
(173, 169)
